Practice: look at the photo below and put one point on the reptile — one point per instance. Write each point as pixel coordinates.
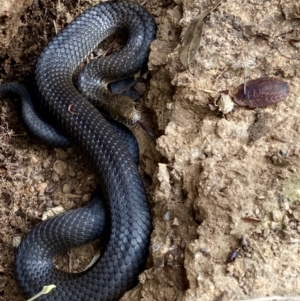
(122, 197)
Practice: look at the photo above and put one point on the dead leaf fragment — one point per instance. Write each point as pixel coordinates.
(191, 42)
(192, 39)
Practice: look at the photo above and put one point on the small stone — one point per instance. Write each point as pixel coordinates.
(175, 222)
(86, 197)
(224, 128)
(169, 105)
(294, 240)
(52, 212)
(296, 214)
(69, 17)
(55, 177)
(276, 226)
(60, 167)
(66, 188)
(277, 216)
(33, 214)
(34, 159)
(41, 188)
(16, 241)
(68, 204)
(167, 216)
(285, 220)
(244, 242)
(47, 162)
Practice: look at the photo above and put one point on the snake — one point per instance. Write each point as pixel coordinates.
(122, 195)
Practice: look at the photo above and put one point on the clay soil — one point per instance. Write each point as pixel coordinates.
(219, 185)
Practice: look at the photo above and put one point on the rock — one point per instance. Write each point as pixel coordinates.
(16, 241)
(60, 168)
(52, 212)
(41, 188)
(66, 188)
(277, 216)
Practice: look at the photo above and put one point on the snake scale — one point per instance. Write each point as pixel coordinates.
(128, 220)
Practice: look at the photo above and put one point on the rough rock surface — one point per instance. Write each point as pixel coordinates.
(217, 184)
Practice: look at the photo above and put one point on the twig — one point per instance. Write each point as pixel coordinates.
(260, 253)
(55, 27)
(274, 298)
(222, 72)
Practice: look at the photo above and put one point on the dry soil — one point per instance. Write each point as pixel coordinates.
(218, 185)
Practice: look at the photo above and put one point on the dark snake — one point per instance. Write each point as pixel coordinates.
(128, 220)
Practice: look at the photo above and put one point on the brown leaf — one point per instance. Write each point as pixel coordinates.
(191, 41)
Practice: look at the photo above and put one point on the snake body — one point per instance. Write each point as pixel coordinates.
(128, 220)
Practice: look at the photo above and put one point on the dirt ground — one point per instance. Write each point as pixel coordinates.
(219, 186)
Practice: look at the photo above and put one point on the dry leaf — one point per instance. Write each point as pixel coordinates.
(191, 41)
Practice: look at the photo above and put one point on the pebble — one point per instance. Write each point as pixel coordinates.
(41, 188)
(276, 226)
(52, 212)
(16, 241)
(86, 197)
(66, 188)
(175, 222)
(60, 167)
(296, 214)
(167, 216)
(34, 159)
(55, 177)
(277, 216)
(47, 163)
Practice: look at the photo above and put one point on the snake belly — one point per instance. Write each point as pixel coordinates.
(128, 213)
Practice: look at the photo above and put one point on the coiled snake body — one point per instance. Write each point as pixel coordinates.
(128, 211)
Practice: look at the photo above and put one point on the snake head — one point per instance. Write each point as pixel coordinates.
(122, 108)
